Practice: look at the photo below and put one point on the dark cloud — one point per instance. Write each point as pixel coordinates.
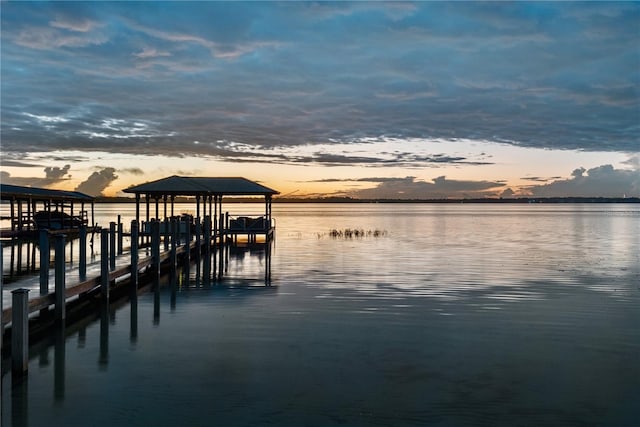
(439, 188)
(17, 164)
(601, 181)
(97, 182)
(137, 78)
(132, 171)
(53, 175)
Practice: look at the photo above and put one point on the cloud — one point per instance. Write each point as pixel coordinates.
(56, 173)
(132, 171)
(53, 175)
(95, 184)
(601, 181)
(439, 188)
(289, 75)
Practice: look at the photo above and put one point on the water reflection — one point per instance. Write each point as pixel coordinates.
(103, 359)
(60, 363)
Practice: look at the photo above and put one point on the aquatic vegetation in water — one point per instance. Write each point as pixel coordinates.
(349, 233)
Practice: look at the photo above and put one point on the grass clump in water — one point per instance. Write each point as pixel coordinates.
(353, 233)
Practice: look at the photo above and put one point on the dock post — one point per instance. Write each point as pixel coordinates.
(223, 245)
(120, 236)
(83, 252)
(155, 247)
(175, 232)
(206, 273)
(134, 255)
(44, 262)
(166, 233)
(60, 309)
(104, 263)
(198, 232)
(187, 238)
(112, 245)
(19, 332)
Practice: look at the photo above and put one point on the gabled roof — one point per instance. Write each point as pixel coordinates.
(8, 192)
(194, 186)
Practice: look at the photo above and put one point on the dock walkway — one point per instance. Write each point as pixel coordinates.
(75, 285)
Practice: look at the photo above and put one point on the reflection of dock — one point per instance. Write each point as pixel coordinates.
(171, 245)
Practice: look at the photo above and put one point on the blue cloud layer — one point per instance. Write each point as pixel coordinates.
(153, 77)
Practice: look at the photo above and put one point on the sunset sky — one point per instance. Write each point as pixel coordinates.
(387, 100)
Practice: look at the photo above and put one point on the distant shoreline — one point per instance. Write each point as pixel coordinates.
(521, 200)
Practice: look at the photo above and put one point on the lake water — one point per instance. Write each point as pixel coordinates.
(454, 315)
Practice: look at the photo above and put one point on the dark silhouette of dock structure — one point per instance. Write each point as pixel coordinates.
(33, 209)
(158, 246)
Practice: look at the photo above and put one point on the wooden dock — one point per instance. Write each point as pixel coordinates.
(183, 240)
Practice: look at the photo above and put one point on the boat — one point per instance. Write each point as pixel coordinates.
(57, 220)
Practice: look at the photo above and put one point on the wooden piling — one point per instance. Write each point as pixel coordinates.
(175, 241)
(104, 263)
(155, 247)
(206, 268)
(120, 236)
(112, 245)
(221, 244)
(83, 253)
(166, 233)
(60, 277)
(198, 231)
(134, 256)
(44, 262)
(187, 239)
(19, 332)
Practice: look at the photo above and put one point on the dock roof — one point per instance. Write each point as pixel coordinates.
(198, 186)
(17, 192)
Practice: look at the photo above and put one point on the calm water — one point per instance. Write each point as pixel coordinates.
(478, 315)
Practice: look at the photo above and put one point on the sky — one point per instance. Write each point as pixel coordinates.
(365, 99)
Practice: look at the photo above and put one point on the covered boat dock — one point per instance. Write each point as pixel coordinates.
(33, 209)
(208, 193)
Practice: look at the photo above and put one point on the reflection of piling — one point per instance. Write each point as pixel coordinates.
(133, 326)
(59, 363)
(103, 360)
(20, 332)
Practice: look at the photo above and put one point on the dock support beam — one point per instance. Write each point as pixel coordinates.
(60, 309)
(104, 263)
(19, 332)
